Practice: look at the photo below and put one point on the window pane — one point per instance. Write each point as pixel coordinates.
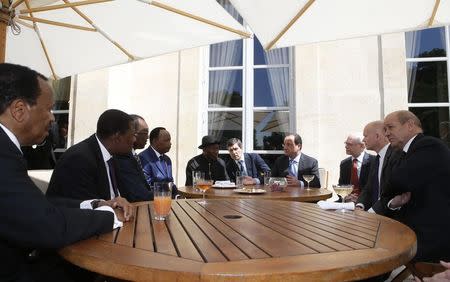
(226, 54)
(427, 82)
(271, 87)
(273, 57)
(61, 89)
(435, 121)
(270, 159)
(425, 43)
(270, 128)
(225, 125)
(225, 88)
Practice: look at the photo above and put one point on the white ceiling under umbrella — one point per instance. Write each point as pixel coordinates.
(62, 38)
(294, 22)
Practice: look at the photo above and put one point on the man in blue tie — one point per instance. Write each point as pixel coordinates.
(294, 164)
(250, 165)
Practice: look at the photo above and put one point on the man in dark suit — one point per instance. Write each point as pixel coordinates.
(354, 170)
(29, 220)
(419, 185)
(294, 164)
(134, 186)
(380, 171)
(88, 170)
(156, 164)
(208, 162)
(252, 166)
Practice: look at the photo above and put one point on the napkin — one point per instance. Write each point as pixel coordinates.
(224, 182)
(336, 206)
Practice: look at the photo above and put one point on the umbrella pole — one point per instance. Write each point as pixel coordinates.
(4, 19)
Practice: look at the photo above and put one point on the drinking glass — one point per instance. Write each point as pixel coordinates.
(266, 178)
(239, 180)
(162, 200)
(196, 175)
(308, 178)
(204, 185)
(343, 191)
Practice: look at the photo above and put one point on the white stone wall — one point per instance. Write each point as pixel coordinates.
(337, 91)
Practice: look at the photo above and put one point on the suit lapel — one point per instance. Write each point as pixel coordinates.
(157, 162)
(103, 188)
(248, 164)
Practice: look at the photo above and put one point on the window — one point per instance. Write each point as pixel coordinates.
(428, 64)
(250, 94)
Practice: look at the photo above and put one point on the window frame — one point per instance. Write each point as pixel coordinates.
(248, 109)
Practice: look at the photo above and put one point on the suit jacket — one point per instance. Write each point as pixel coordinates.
(366, 196)
(31, 221)
(307, 165)
(345, 171)
(81, 173)
(425, 172)
(254, 164)
(133, 185)
(154, 170)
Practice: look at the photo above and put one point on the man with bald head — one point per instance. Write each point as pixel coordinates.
(375, 140)
(419, 185)
(354, 170)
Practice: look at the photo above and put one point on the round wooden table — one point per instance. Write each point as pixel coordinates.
(247, 240)
(289, 194)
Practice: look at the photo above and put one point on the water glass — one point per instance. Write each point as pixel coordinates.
(162, 200)
(239, 180)
(266, 178)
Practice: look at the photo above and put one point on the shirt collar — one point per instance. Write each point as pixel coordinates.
(297, 158)
(406, 147)
(11, 136)
(383, 151)
(360, 157)
(106, 155)
(156, 152)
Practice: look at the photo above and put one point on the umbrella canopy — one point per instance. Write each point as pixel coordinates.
(61, 38)
(293, 22)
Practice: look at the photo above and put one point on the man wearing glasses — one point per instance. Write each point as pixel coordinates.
(354, 170)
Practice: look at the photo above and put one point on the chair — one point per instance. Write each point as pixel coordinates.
(323, 174)
(419, 269)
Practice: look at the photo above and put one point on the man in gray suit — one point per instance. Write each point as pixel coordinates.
(294, 164)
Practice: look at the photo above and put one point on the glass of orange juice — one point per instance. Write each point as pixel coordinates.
(204, 185)
(162, 199)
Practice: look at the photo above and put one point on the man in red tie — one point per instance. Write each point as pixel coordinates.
(354, 170)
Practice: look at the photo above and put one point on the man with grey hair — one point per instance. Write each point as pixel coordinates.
(354, 170)
(418, 186)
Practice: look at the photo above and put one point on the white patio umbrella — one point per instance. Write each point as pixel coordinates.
(293, 22)
(61, 38)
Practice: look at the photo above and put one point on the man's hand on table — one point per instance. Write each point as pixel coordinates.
(248, 180)
(399, 200)
(292, 181)
(126, 209)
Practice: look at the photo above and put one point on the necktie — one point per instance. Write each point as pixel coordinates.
(242, 168)
(112, 177)
(292, 168)
(163, 164)
(376, 181)
(354, 176)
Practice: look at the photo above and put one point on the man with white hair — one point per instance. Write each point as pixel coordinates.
(354, 170)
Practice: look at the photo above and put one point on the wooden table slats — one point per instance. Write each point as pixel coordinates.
(206, 248)
(246, 240)
(143, 237)
(332, 232)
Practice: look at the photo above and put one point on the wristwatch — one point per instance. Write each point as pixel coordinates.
(95, 204)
